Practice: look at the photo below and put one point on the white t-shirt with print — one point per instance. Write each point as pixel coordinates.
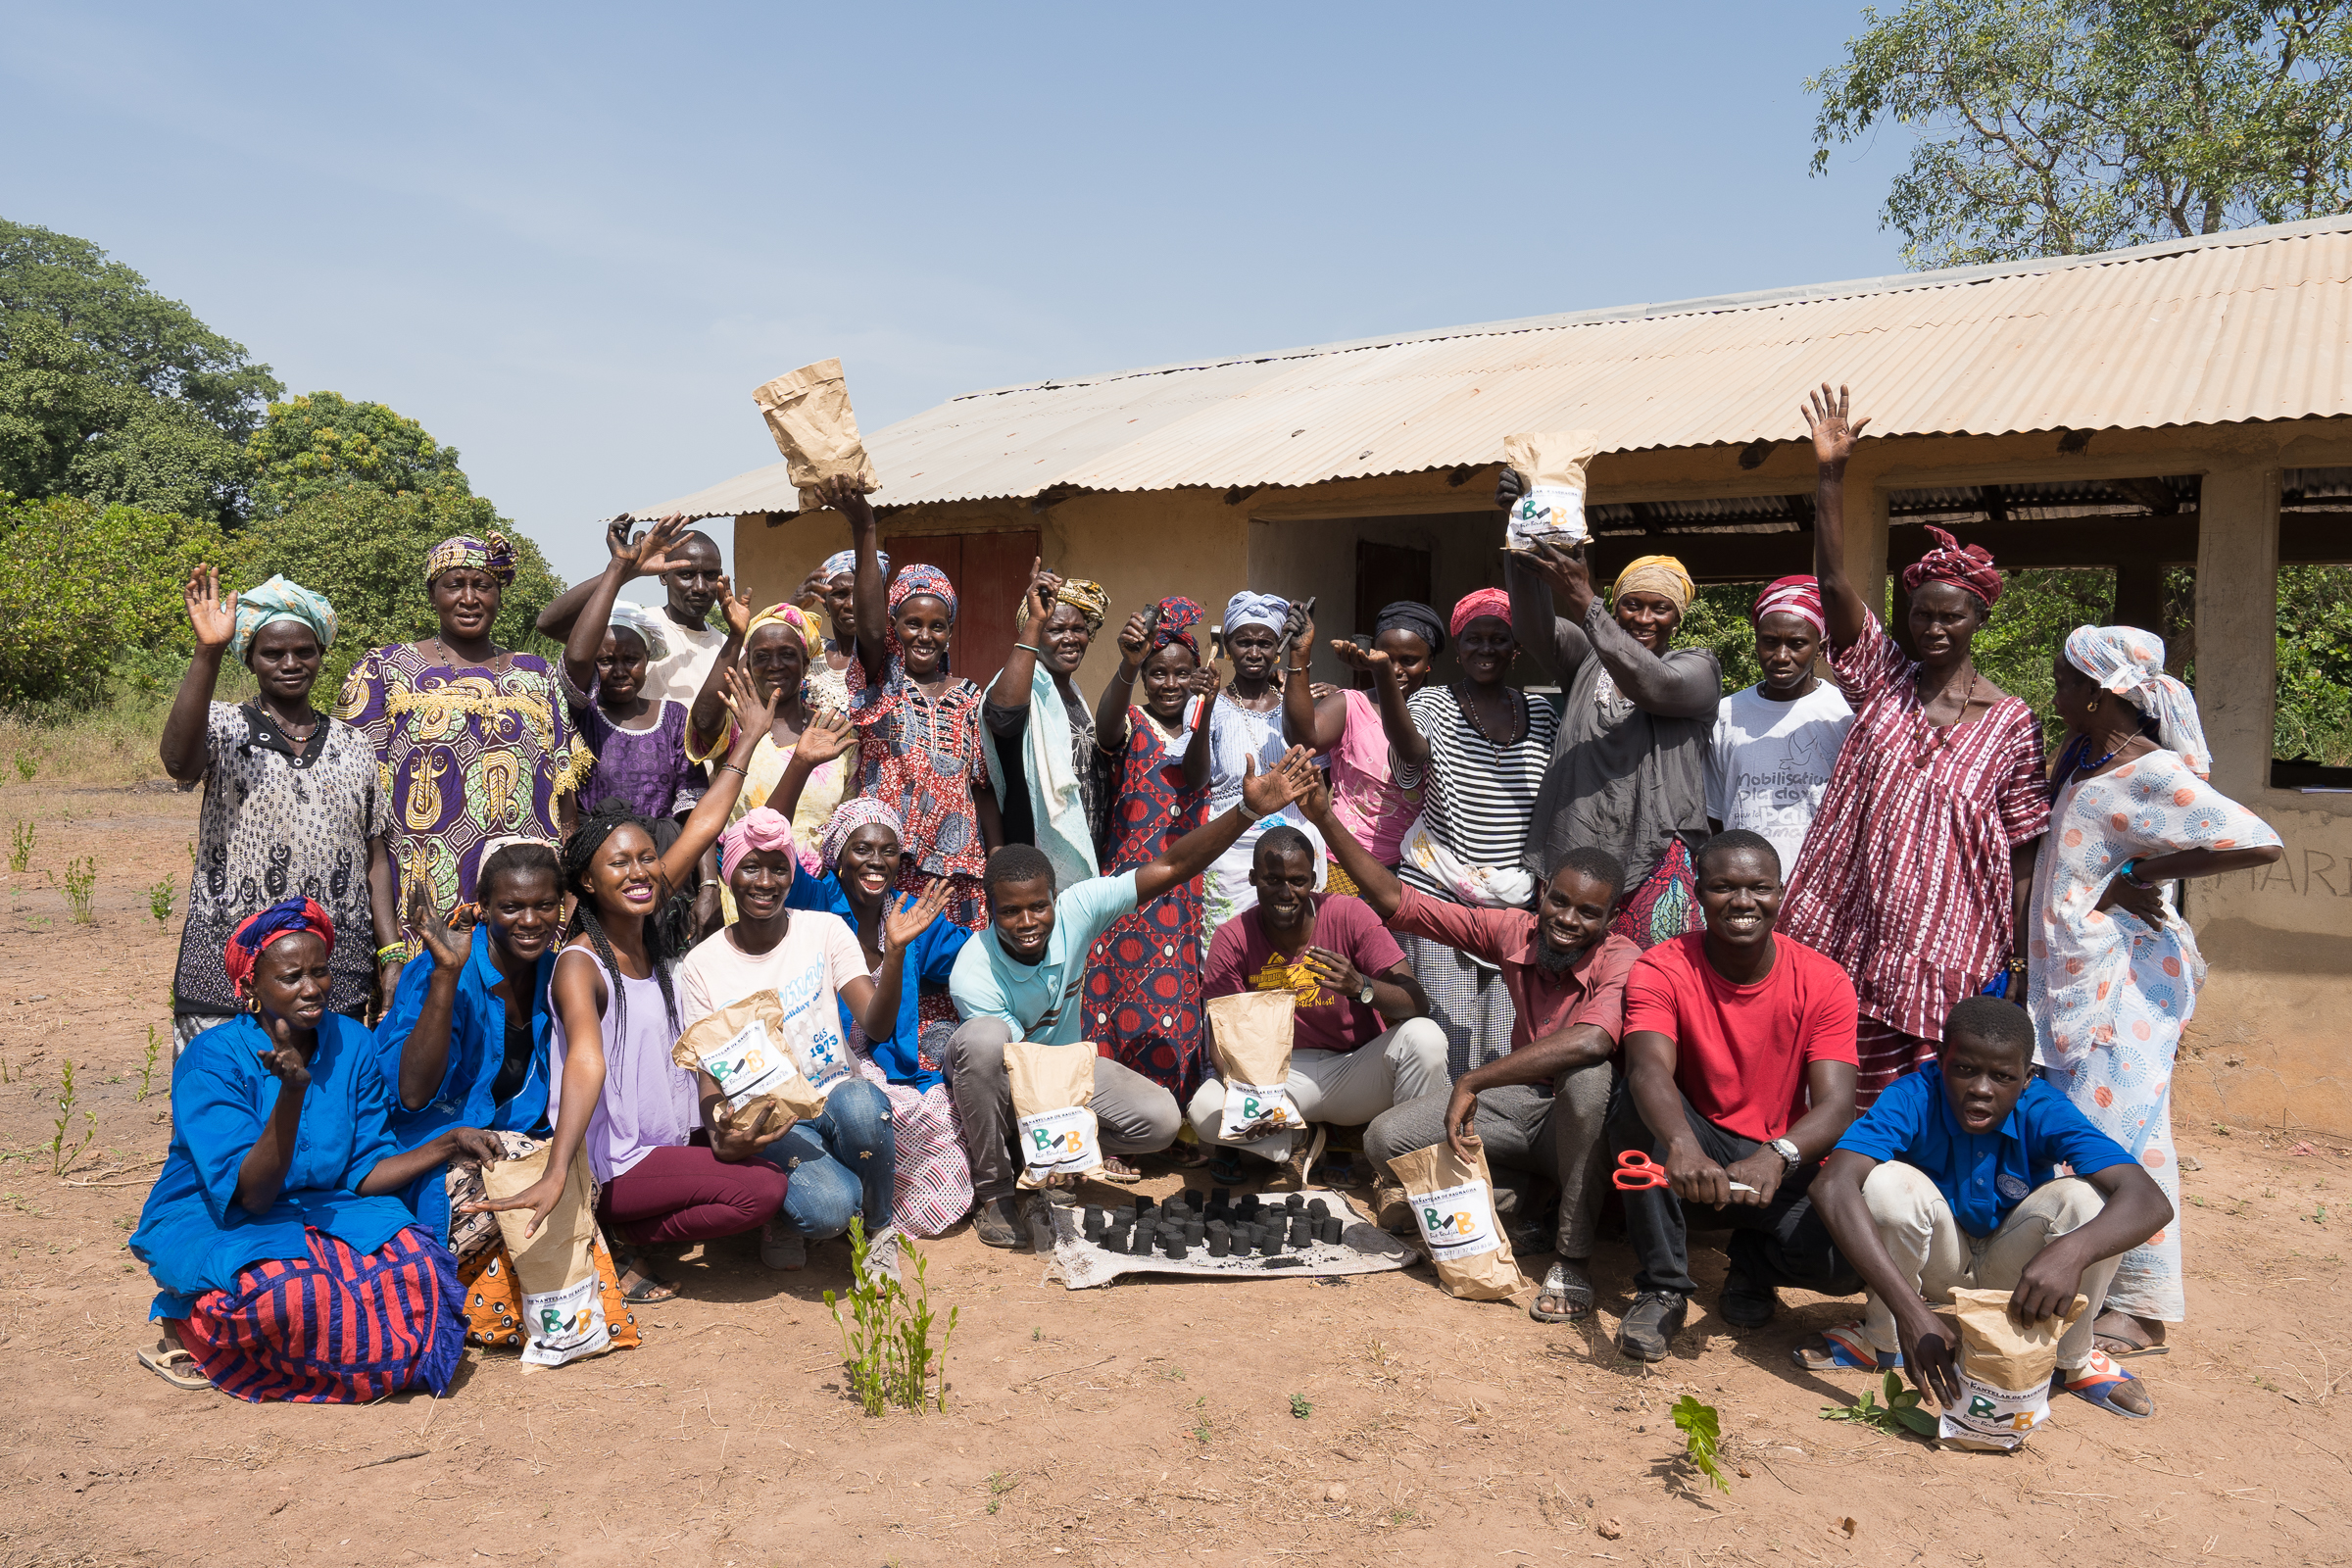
(818, 955)
(1768, 762)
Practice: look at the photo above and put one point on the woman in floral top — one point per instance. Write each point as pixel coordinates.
(473, 740)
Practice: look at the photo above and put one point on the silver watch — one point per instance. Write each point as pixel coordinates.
(1365, 996)
(1786, 1151)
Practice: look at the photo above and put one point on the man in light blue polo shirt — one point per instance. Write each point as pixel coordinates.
(1950, 1181)
(1019, 980)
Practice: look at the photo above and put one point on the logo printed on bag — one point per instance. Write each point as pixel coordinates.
(1058, 1139)
(749, 1064)
(1455, 1222)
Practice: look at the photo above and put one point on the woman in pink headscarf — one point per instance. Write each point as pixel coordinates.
(1769, 758)
(1913, 875)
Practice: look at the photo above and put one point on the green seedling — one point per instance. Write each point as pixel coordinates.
(1702, 1429)
(19, 847)
(1902, 1411)
(886, 1340)
(27, 765)
(159, 899)
(81, 889)
(998, 1484)
(155, 1052)
(1300, 1409)
(59, 1157)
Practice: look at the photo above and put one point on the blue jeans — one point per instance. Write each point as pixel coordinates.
(841, 1163)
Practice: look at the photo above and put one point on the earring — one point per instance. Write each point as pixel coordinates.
(2093, 705)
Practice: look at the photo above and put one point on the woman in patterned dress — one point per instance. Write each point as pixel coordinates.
(1245, 721)
(473, 741)
(1142, 979)
(1914, 872)
(292, 804)
(2113, 970)
(919, 738)
(780, 647)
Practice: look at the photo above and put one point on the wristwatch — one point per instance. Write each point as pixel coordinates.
(1365, 996)
(1786, 1151)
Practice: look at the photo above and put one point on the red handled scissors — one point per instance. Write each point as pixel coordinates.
(1637, 1172)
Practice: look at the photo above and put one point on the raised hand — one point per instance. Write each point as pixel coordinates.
(1370, 660)
(450, 941)
(1205, 683)
(738, 611)
(812, 589)
(646, 554)
(1509, 486)
(840, 493)
(902, 926)
(1291, 778)
(742, 693)
(1042, 586)
(215, 622)
(1315, 804)
(1568, 572)
(829, 735)
(284, 1062)
(1834, 435)
(1135, 638)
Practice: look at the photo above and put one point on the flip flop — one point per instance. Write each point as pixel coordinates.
(1565, 1283)
(2118, 1348)
(650, 1287)
(2097, 1381)
(161, 1359)
(1845, 1349)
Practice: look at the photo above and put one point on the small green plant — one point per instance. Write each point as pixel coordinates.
(59, 1157)
(998, 1484)
(2319, 1216)
(1702, 1429)
(1902, 1411)
(1037, 1333)
(886, 1340)
(19, 847)
(155, 1052)
(159, 899)
(81, 889)
(1300, 1409)
(27, 765)
(1200, 1432)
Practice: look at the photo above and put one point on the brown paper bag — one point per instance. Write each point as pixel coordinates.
(748, 1051)
(808, 414)
(563, 1299)
(2005, 1369)
(1454, 1202)
(1054, 1099)
(1250, 1038)
(1552, 506)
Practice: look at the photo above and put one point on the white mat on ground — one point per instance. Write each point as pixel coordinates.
(1362, 1249)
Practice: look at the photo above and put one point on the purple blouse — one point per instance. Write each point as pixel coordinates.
(645, 770)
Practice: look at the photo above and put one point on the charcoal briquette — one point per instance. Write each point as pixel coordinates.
(1195, 1233)
(1295, 1202)
(1269, 1240)
(1318, 1209)
(1299, 1234)
(1333, 1226)
(1142, 1203)
(1219, 1247)
(1176, 1251)
(1114, 1242)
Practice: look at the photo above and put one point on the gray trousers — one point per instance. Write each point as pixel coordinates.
(1558, 1136)
(1134, 1114)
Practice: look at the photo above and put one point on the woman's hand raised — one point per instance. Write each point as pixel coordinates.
(215, 622)
(1834, 433)
(450, 941)
(903, 926)
(829, 735)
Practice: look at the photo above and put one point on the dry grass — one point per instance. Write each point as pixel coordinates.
(116, 743)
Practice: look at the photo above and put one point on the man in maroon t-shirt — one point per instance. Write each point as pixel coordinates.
(1739, 1077)
(1362, 1039)
(1538, 1109)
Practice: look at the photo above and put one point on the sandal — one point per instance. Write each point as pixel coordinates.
(162, 1359)
(2125, 1340)
(1225, 1166)
(1565, 1285)
(2099, 1379)
(650, 1287)
(1844, 1348)
(1116, 1170)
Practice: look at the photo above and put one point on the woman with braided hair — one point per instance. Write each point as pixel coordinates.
(614, 1092)
(1915, 871)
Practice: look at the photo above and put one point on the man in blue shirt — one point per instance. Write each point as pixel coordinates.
(1950, 1182)
(1019, 980)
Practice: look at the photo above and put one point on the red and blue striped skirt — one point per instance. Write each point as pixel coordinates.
(339, 1327)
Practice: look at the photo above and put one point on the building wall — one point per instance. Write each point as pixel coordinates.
(2271, 1044)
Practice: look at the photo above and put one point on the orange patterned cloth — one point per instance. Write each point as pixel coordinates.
(494, 1306)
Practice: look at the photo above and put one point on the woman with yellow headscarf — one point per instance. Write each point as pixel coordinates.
(1042, 759)
(1629, 769)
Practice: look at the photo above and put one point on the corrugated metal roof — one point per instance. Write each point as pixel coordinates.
(2245, 326)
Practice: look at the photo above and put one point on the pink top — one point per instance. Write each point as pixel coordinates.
(649, 1101)
(1364, 793)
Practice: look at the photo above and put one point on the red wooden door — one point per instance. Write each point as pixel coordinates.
(989, 571)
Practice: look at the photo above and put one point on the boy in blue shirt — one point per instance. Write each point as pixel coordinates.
(1950, 1182)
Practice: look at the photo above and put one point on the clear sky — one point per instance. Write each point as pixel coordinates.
(572, 239)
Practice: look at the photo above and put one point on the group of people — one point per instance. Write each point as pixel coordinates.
(1883, 991)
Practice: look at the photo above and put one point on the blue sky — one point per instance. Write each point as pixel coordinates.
(572, 240)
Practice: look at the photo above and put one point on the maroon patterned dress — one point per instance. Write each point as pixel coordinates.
(1142, 979)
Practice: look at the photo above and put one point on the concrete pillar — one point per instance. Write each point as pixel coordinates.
(2238, 625)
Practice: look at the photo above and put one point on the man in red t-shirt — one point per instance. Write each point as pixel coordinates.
(1739, 1070)
(1538, 1109)
(1363, 1040)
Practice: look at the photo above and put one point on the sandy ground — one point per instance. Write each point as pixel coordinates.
(1103, 1426)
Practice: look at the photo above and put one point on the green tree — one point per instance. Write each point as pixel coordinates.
(319, 441)
(136, 336)
(2315, 664)
(2055, 127)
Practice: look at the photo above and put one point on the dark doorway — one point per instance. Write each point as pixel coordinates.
(1384, 574)
(990, 570)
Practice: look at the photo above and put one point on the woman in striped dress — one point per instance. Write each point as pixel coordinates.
(1915, 872)
(1478, 753)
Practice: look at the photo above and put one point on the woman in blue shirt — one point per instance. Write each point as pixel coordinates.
(276, 1223)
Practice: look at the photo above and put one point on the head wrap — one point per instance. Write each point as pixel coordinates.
(1178, 615)
(1477, 605)
(1247, 609)
(2130, 662)
(918, 578)
(279, 600)
(1792, 595)
(492, 554)
(289, 917)
(844, 563)
(758, 829)
(1080, 594)
(786, 615)
(1662, 575)
(1410, 615)
(861, 810)
(645, 624)
(1969, 565)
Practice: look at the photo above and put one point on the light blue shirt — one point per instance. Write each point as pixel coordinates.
(1039, 1002)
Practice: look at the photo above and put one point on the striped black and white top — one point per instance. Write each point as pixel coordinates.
(1480, 796)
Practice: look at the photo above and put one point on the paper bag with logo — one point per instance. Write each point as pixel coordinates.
(1552, 506)
(1054, 1099)
(748, 1051)
(1250, 1035)
(2005, 1369)
(808, 414)
(1454, 1202)
(563, 1299)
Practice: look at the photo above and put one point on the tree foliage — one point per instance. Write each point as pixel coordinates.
(2315, 664)
(317, 442)
(2053, 128)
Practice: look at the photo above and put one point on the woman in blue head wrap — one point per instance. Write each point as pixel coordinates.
(1245, 721)
(293, 805)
